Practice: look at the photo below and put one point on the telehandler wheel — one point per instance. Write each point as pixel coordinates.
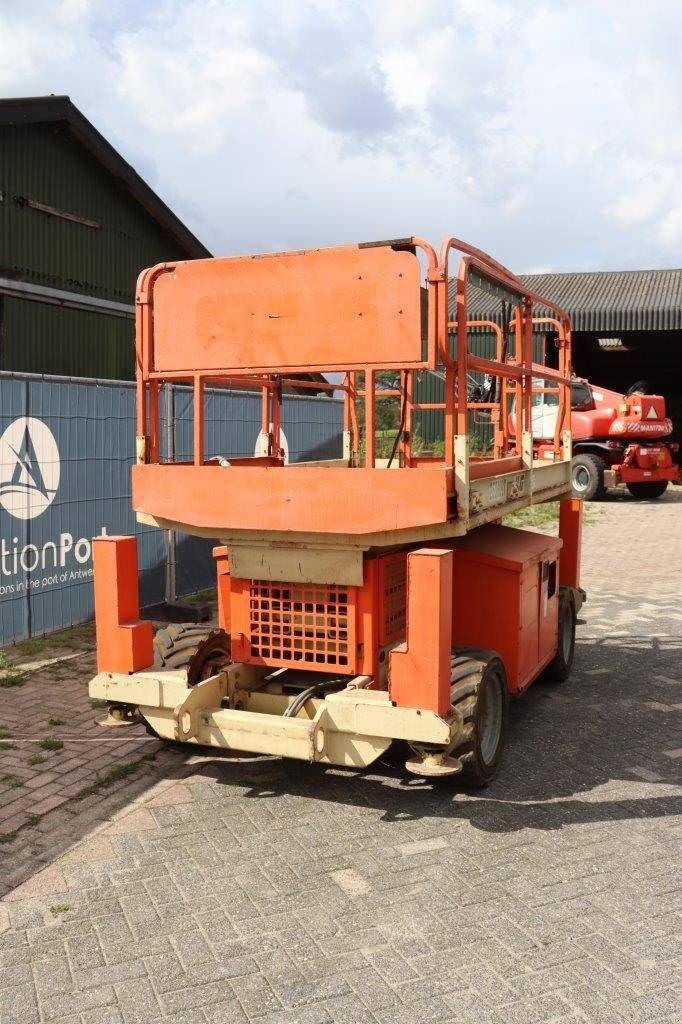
(587, 477)
(479, 692)
(559, 668)
(203, 652)
(648, 489)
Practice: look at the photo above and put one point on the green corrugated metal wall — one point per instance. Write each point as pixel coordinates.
(429, 387)
(46, 163)
(37, 338)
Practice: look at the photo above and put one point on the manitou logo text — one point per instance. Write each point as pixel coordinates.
(29, 468)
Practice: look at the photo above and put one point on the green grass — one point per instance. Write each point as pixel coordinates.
(36, 759)
(104, 779)
(85, 629)
(7, 745)
(32, 646)
(62, 639)
(38, 645)
(60, 908)
(7, 837)
(96, 702)
(201, 596)
(545, 513)
(4, 733)
(11, 679)
(534, 515)
(55, 720)
(12, 781)
(33, 820)
(65, 639)
(51, 743)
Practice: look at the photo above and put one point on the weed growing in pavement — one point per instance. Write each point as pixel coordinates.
(4, 733)
(7, 837)
(3, 661)
(51, 743)
(12, 781)
(103, 779)
(96, 702)
(60, 908)
(33, 820)
(55, 720)
(36, 759)
(7, 745)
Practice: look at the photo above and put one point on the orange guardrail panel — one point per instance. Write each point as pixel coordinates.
(305, 499)
(291, 311)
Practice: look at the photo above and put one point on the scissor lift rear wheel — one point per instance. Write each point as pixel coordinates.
(479, 693)
(478, 690)
(203, 652)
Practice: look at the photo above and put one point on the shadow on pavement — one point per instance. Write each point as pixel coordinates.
(589, 750)
(609, 725)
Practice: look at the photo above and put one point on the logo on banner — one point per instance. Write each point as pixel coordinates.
(29, 468)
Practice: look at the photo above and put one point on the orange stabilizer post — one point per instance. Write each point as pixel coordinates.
(419, 670)
(223, 571)
(124, 643)
(570, 531)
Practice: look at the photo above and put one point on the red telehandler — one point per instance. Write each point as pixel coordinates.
(618, 439)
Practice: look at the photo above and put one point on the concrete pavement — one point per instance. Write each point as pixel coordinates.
(212, 889)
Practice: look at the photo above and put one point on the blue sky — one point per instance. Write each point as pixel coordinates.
(546, 132)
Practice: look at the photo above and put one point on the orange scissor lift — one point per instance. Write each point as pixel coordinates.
(360, 600)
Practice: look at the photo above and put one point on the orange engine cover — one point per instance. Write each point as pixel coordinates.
(505, 597)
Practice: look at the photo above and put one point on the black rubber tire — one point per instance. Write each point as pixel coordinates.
(559, 669)
(648, 489)
(473, 673)
(176, 645)
(593, 467)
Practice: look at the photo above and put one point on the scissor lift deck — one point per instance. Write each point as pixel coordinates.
(319, 565)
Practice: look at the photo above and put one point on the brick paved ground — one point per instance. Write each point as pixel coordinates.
(51, 709)
(216, 889)
(634, 546)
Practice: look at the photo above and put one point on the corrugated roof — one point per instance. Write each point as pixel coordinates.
(46, 109)
(605, 300)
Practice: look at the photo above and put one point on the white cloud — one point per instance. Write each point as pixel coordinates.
(670, 229)
(545, 132)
